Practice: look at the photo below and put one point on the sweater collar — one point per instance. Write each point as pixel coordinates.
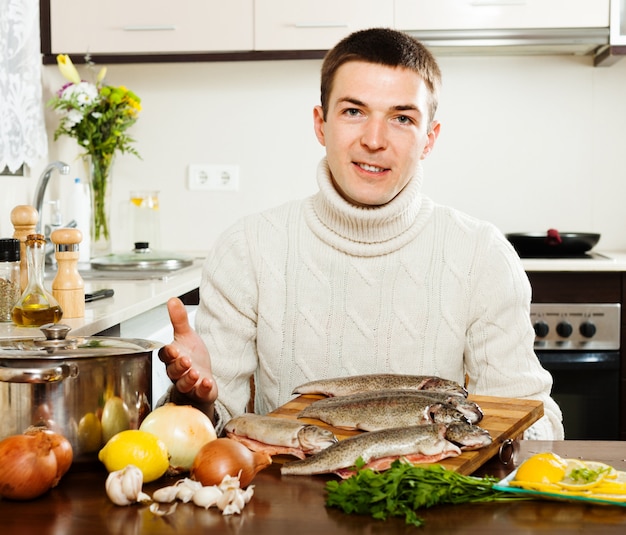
(367, 231)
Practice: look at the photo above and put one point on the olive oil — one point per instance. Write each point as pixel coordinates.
(36, 316)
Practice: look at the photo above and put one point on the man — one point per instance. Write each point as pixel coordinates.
(368, 275)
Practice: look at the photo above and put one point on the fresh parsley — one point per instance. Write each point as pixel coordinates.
(404, 488)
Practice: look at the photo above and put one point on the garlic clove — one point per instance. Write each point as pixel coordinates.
(207, 496)
(165, 494)
(156, 509)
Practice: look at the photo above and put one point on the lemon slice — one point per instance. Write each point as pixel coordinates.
(613, 483)
(584, 475)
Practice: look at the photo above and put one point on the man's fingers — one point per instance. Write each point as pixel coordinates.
(178, 316)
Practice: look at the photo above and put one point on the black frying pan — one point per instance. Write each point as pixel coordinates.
(552, 243)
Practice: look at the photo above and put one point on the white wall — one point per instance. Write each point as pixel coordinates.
(527, 142)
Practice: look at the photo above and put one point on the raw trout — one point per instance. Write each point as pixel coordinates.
(279, 435)
(468, 437)
(471, 410)
(378, 449)
(342, 386)
(382, 412)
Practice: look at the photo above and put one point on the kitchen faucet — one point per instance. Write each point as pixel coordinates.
(64, 169)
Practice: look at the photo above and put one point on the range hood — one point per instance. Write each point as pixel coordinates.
(545, 41)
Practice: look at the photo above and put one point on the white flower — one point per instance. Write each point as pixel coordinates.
(74, 117)
(83, 94)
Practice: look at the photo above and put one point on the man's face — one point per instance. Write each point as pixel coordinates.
(376, 130)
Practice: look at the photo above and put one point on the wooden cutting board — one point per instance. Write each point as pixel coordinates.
(504, 418)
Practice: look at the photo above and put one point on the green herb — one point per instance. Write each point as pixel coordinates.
(405, 488)
(587, 475)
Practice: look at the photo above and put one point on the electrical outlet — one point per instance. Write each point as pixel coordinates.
(213, 177)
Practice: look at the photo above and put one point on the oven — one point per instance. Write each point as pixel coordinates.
(579, 344)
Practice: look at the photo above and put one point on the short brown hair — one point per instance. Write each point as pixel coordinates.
(385, 47)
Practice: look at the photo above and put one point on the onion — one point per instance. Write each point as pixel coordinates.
(61, 447)
(28, 466)
(183, 429)
(227, 457)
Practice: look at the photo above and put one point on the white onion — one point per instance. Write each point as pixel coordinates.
(184, 430)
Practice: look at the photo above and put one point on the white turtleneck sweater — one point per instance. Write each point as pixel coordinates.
(320, 288)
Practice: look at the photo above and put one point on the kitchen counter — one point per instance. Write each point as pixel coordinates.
(131, 299)
(291, 504)
(597, 261)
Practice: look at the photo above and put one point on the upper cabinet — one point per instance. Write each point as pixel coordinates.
(500, 14)
(150, 26)
(211, 30)
(315, 24)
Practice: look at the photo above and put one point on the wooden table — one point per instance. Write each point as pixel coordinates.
(294, 504)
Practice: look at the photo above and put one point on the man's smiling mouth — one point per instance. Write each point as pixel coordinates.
(371, 168)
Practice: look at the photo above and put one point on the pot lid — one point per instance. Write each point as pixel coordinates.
(142, 257)
(56, 344)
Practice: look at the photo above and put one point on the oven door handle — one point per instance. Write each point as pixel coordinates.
(571, 360)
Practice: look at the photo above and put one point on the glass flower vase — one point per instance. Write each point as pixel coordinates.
(99, 170)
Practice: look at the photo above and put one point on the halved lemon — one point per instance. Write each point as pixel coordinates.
(546, 467)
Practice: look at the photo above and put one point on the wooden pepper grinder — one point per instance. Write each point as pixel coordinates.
(68, 287)
(24, 219)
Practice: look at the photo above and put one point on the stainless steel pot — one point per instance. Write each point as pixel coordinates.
(85, 388)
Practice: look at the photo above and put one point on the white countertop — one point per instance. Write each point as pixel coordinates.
(135, 297)
(599, 261)
(131, 298)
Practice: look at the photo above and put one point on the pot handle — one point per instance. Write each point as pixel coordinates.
(38, 375)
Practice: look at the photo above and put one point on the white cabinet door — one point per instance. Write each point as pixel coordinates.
(150, 26)
(500, 14)
(315, 24)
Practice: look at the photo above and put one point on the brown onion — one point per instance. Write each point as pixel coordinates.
(227, 457)
(61, 447)
(28, 466)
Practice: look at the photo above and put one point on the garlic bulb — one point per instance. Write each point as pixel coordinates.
(123, 487)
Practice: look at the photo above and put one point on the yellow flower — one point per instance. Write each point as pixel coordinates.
(67, 68)
(101, 75)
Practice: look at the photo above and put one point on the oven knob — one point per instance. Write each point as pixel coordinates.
(541, 329)
(564, 329)
(587, 329)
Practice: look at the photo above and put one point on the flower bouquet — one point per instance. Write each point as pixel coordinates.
(97, 116)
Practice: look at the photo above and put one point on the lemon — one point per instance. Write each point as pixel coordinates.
(544, 467)
(145, 450)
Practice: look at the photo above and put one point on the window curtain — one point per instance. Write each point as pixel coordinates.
(23, 138)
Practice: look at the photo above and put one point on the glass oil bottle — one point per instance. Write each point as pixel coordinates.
(36, 306)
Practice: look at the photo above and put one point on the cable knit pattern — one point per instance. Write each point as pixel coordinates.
(320, 288)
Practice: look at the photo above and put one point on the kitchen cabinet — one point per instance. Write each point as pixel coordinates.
(150, 26)
(314, 24)
(500, 14)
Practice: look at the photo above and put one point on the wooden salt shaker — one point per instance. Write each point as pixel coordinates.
(24, 219)
(68, 287)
